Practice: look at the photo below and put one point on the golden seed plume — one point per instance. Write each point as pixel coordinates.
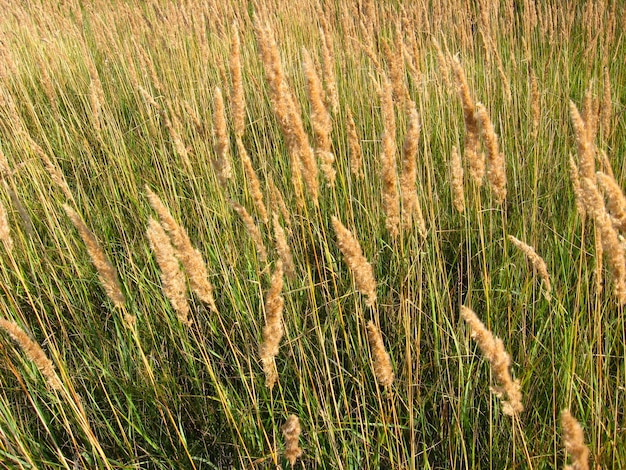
(391, 199)
(291, 431)
(359, 266)
(328, 68)
(273, 330)
(615, 199)
(585, 146)
(537, 261)
(253, 181)
(106, 271)
(578, 192)
(456, 170)
(496, 172)
(574, 441)
(382, 362)
(282, 247)
(190, 257)
(34, 352)
(288, 115)
(222, 144)
(616, 255)
(471, 153)
(253, 231)
(320, 118)
(493, 350)
(237, 96)
(172, 278)
(411, 209)
(5, 231)
(356, 154)
(535, 109)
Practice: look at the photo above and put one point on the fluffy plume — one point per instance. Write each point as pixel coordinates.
(282, 247)
(358, 264)
(291, 431)
(578, 192)
(537, 261)
(382, 362)
(33, 351)
(253, 180)
(253, 231)
(5, 231)
(190, 257)
(616, 256)
(615, 199)
(493, 350)
(496, 173)
(574, 442)
(320, 118)
(106, 271)
(220, 135)
(288, 115)
(410, 202)
(237, 96)
(456, 170)
(476, 160)
(273, 330)
(391, 199)
(356, 155)
(172, 278)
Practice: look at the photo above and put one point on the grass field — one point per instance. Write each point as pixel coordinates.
(260, 234)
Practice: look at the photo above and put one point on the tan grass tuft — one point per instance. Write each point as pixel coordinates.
(359, 266)
(382, 362)
(253, 231)
(537, 261)
(238, 99)
(391, 199)
(190, 257)
(320, 118)
(616, 256)
(172, 278)
(106, 271)
(253, 181)
(578, 192)
(456, 170)
(471, 153)
(493, 350)
(220, 135)
(586, 148)
(412, 212)
(34, 352)
(291, 431)
(282, 247)
(574, 441)
(615, 199)
(328, 68)
(288, 115)
(496, 172)
(535, 107)
(356, 154)
(5, 231)
(273, 330)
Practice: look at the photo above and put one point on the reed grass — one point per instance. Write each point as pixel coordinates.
(314, 295)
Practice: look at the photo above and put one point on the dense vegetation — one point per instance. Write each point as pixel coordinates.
(216, 215)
